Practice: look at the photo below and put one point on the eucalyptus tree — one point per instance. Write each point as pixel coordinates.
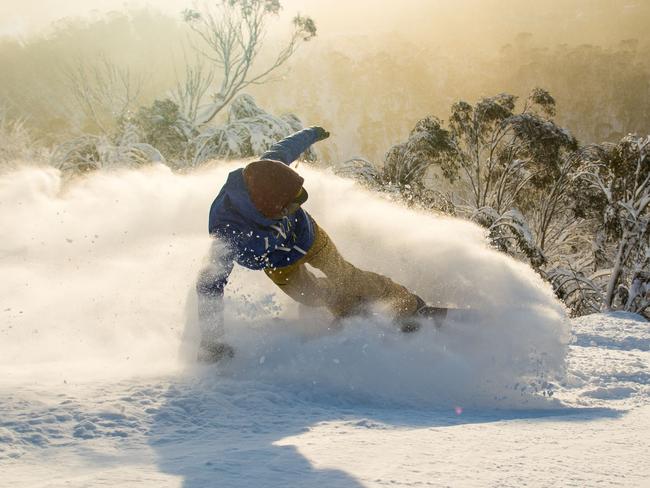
(502, 155)
(510, 168)
(612, 188)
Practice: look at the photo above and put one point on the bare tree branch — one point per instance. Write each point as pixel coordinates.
(233, 31)
(104, 92)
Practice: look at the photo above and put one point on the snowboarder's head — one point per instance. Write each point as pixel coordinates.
(275, 189)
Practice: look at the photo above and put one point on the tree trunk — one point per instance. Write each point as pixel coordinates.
(616, 272)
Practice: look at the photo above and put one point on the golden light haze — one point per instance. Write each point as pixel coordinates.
(373, 70)
(475, 21)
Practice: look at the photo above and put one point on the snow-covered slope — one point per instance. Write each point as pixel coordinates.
(609, 361)
(205, 428)
(96, 389)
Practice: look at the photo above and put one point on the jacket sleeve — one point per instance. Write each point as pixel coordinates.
(289, 148)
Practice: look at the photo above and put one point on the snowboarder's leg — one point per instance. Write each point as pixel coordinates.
(209, 292)
(412, 323)
(301, 284)
(354, 288)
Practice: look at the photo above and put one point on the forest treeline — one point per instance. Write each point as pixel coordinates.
(372, 94)
(544, 146)
(579, 214)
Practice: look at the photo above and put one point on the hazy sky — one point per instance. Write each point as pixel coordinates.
(444, 50)
(573, 21)
(26, 16)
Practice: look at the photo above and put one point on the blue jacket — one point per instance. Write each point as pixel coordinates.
(253, 240)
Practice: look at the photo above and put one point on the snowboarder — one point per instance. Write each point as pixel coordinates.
(257, 221)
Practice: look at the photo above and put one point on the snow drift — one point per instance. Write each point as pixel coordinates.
(98, 276)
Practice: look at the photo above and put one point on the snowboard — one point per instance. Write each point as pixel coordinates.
(438, 317)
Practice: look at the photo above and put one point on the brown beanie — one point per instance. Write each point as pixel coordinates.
(271, 185)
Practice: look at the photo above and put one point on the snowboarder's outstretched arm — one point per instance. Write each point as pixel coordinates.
(290, 148)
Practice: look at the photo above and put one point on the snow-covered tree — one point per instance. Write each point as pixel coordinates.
(90, 152)
(398, 187)
(248, 132)
(612, 188)
(361, 170)
(428, 144)
(501, 156)
(163, 126)
(509, 170)
(16, 142)
(231, 34)
(581, 293)
(496, 157)
(107, 94)
(509, 232)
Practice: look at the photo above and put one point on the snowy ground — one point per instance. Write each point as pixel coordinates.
(94, 390)
(202, 429)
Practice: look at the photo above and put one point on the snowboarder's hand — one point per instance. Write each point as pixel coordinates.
(320, 133)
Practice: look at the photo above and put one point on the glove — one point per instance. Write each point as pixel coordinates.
(320, 133)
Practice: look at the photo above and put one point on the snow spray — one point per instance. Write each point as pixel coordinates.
(98, 281)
